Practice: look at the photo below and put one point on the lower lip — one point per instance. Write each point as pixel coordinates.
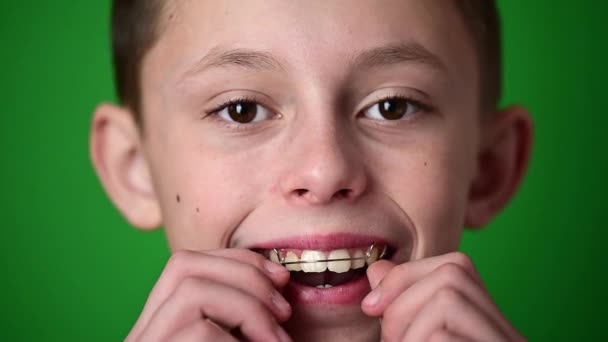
(350, 293)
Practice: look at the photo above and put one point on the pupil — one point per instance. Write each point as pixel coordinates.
(393, 109)
(243, 112)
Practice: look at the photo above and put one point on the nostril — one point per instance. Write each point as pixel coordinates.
(340, 194)
(344, 193)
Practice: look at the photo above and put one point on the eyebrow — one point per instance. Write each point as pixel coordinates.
(220, 57)
(406, 52)
(257, 60)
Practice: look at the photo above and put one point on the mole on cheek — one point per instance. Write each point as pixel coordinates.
(177, 198)
(425, 163)
(197, 210)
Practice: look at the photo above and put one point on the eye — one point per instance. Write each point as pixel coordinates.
(393, 108)
(243, 112)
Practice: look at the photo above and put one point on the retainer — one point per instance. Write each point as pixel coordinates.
(366, 257)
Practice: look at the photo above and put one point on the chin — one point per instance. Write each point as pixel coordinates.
(332, 322)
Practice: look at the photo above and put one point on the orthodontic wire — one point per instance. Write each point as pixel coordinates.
(368, 254)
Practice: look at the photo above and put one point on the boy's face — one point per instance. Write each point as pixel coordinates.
(333, 156)
(319, 158)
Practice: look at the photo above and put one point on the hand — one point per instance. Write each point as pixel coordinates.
(202, 296)
(434, 299)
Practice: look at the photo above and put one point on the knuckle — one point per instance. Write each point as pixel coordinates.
(448, 296)
(451, 274)
(179, 260)
(462, 259)
(203, 329)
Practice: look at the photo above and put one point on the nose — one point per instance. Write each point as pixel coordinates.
(323, 167)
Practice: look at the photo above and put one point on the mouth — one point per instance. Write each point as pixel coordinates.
(330, 274)
(327, 269)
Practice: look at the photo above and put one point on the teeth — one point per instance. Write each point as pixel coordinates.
(326, 286)
(317, 261)
(339, 266)
(291, 257)
(359, 261)
(318, 266)
(274, 257)
(373, 257)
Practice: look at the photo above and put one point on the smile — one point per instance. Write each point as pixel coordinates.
(326, 269)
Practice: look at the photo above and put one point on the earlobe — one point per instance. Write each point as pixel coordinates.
(502, 162)
(121, 165)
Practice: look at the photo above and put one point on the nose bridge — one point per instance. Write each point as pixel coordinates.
(323, 165)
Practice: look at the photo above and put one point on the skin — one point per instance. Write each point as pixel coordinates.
(321, 162)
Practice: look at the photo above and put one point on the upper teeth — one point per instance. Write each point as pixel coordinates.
(359, 261)
(318, 265)
(339, 266)
(340, 260)
(292, 257)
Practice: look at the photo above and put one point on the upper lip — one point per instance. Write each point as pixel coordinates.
(323, 242)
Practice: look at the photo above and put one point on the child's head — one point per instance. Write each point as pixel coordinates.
(260, 123)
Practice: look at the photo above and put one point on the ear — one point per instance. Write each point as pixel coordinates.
(502, 162)
(120, 163)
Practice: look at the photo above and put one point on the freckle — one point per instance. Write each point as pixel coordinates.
(177, 198)
(197, 210)
(425, 163)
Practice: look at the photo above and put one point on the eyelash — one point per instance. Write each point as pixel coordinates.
(233, 101)
(422, 106)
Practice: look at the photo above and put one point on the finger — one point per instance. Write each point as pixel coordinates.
(378, 270)
(450, 310)
(406, 306)
(446, 336)
(401, 277)
(197, 298)
(277, 273)
(202, 330)
(241, 268)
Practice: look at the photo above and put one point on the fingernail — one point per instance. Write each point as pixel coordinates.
(282, 335)
(373, 298)
(280, 302)
(273, 267)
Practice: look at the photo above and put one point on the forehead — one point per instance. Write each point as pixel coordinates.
(307, 35)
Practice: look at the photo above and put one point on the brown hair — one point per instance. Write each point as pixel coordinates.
(482, 20)
(135, 29)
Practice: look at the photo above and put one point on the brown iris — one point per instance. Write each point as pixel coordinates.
(393, 109)
(243, 112)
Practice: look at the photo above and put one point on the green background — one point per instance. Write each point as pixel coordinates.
(73, 270)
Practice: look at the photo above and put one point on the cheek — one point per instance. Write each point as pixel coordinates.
(216, 191)
(430, 183)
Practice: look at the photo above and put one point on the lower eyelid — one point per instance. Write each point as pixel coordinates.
(235, 126)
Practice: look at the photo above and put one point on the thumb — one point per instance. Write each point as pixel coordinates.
(377, 271)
